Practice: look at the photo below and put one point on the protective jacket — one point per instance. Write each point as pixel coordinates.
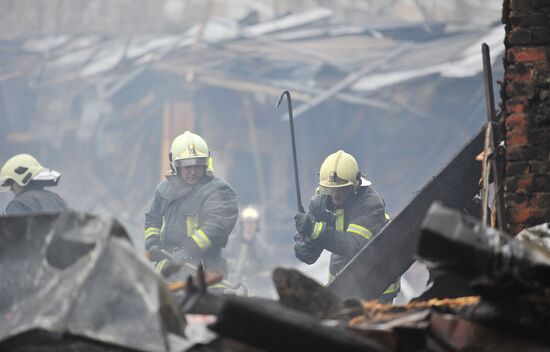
(35, 199)
(343, 230)
(197, 217)
(246, 257)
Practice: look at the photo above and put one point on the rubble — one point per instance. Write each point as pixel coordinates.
(73, 282)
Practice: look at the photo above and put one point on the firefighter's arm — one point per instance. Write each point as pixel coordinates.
(221, 212)
(369, 219)
(153, 223)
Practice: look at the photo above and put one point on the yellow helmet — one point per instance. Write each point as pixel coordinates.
(339, 170)
(250, 213)
(189, 149)
(21, 169)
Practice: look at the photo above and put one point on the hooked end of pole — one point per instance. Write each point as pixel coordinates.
(285, 92)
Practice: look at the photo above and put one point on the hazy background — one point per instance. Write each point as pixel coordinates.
(97, 90)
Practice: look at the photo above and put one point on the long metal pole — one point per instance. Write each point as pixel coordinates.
(291, 118)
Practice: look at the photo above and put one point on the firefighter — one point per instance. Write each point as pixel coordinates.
(193, 212)
(245, 254)
(344, 215)
(26, 178)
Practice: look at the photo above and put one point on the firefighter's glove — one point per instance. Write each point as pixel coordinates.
(304, 223)
(306, 251)
(155, 254)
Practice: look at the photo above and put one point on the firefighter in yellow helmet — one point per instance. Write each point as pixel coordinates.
(193, 212)
(344, 215)
(26, 178)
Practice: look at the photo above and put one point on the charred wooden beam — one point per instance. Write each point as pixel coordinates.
(300, 292)
(492, 261)
(272, 327)
(391, 252)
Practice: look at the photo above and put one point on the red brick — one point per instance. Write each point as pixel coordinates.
(521, 152)
(516, 138)
(527, 5)
(516, 168)
(529, 19)
(539, 136)
(539, 167)
(514, 121)
(527, 76)
(527, 54)
(542, 183)
(540, 35)
(540, 200)
(527, 216)
(525, 182)
(520, 36)
(515, 200)
(515, 108)
(514, 229)
(519, 184)
(517, 134)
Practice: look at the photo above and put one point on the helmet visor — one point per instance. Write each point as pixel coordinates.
(335, 191)
(191, 161)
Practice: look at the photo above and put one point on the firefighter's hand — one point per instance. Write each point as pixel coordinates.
(304, 223)
(305, 251)
(155, 254)
(182, 254)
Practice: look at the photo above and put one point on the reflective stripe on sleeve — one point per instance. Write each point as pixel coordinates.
(395, 287)
(150, 231)
(202, 240)
(192, 223)
(218, 285)
(317, 230)
(360, 230)
(387, 216)
(160, 265)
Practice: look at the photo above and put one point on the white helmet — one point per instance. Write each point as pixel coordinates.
(250, 213)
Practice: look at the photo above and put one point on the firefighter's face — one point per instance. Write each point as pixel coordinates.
(340, 195)
(249, 229)
(192, 174)
(14, 187)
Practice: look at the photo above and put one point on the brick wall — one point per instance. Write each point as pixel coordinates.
(525, 101)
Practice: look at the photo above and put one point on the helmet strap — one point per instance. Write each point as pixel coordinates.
(209, 167)
(358, 178)
(172, 168)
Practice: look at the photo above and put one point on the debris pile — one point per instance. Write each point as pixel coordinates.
(73, 282)
(509, 312)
